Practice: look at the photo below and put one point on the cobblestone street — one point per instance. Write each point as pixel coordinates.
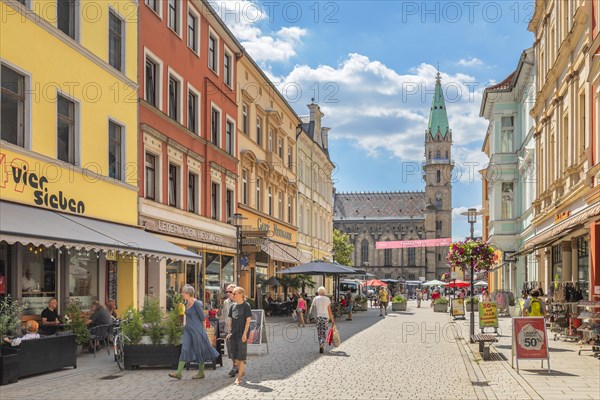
(417, 354)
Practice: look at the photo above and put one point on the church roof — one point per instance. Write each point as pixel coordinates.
(438, 119)
(379, 206)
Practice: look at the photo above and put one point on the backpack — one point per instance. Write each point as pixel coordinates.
(535, 308)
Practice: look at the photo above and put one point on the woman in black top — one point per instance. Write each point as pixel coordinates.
(50, 319)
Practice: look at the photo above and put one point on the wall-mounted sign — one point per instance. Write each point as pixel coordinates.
(510, 256)
(276, 231)
(187, 232)
(561, 216)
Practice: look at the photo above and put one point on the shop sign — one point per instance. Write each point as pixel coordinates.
(251, 249)
(530, 340)
(561, 216)
(262, 234)
(276, 231)
(253, 241)
(187, 232)
(488, 314)
(458, 307)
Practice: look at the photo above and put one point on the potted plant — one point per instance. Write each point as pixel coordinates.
(151, 322)
(10, 312)
(76, 324)
(398, 303)
(472, 303)
(360, 303)
(478, 253)
(440, 305)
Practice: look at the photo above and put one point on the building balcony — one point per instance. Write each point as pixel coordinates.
(433, 161)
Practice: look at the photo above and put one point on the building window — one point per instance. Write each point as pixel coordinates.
(152, 82)
(115, 41)
(229, 138)
(438, 176)
(270, 140)
(270, 201)
(173, 15)
(230, 201)
(192, 111)
(215, 128)
(66, 16)
(215, 200)
(412, 256)
(174, 90)
(280, 148)
(290, 209)
(173, 185)
(258, 131)
(12, 112)
(258, 187)
(387, 257)
(438, 154)
(438, 201)
(290, 159)
(583, 266)
(227, 69)
(244, 187)
(154, 5)
(301, 170)
(150, 177)
(192, 193)
(507, 200)
(506, 134)
(66, 144)
(301, 218)
(192, 31)
(556, 263)
(245, 118)
(212, 53)
(280, 199)
(115, 154)
(364, 251)
(439, 257)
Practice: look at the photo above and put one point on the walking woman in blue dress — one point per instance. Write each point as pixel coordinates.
(195, 346)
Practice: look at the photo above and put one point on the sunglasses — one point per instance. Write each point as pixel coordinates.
(229, 291)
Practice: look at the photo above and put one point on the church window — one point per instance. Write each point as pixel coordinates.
(411, 256)
(430, 154)
(439, 257)
(364, 251)
(446, 154)
(438, 200)
(387, 257)
(438, 176)
(438, 154)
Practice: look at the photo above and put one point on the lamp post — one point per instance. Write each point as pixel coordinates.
(472, 214)
(236, 220)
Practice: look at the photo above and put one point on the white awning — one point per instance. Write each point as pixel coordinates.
(282, 252)
(39, 227)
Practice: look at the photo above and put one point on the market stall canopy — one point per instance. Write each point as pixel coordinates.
(375, 282)
(457, 283)
(320, 268)
(480, 283)
(39, 227)
(434, 282)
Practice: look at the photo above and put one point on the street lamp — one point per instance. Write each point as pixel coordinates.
(472, 214)
(236, 220)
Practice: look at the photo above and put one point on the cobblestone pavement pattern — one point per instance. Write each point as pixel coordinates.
(416, 354)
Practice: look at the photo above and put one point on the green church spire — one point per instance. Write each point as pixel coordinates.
(438, 119)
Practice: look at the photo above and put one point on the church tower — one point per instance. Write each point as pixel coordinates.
(437, 173)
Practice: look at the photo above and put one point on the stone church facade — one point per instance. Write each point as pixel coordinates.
(369, 217)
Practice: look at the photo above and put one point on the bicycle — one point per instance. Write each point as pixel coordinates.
(118, 341)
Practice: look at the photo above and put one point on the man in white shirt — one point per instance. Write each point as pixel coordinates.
(28, 283)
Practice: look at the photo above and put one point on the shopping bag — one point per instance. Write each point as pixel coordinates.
(294, 315)
(330, 336)
(212, 335)
(335, 340)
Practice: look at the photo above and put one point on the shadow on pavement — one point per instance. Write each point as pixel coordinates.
(544, 371)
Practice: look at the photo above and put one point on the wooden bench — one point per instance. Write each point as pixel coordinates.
(483, 340)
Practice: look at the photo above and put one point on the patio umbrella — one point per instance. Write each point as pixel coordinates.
(480, 283)
(375, 282)
(434, 282)
(272, 281)
(458, 283)
(390, 280)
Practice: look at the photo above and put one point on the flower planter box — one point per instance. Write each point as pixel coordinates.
(474, 306)
(9, 365)
(440, 308)
(360, 306)
(399, 306)
(148, 355)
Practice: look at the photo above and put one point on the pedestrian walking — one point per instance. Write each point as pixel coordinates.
(419, 298)
(301, 310)
(534, 307)
(240, 316)
(322, 304)
(195, 346)
(383, 301)
(349, 304)
(224, 315)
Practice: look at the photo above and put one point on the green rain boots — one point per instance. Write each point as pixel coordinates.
(200, 374)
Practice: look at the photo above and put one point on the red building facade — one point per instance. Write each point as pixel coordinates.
(188, 142)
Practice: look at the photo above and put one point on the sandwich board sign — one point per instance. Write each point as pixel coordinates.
(530, 340)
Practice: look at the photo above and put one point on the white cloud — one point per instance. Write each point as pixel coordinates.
(246, 19)
(471, 62)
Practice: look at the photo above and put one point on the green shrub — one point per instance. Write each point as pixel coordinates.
(132, 326)
(473, 299)
(399, 299)
(75, 323)
(441, 300)
(153, 315)
(173, 327)
(10, 313)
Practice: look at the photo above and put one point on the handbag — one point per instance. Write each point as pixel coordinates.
(335, 340)
(330, 336)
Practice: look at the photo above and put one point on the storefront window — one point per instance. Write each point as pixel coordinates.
(556, 264)
(261, 277)
(228, 270)
(583, 266)
(83, 278)
(175, 280)
(38, 280)
(4, 269)
(212, 288)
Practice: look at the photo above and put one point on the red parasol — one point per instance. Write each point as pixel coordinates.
(375, 282)
(458, 283)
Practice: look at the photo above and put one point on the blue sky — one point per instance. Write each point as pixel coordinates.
(371, 66)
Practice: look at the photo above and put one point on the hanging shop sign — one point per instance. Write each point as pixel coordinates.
(530, 340)
(488, 315)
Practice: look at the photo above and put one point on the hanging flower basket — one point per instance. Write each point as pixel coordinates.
(461, 254)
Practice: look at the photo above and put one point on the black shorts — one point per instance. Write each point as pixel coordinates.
(237, 349)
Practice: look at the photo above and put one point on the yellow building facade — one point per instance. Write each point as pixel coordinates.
(68, 153)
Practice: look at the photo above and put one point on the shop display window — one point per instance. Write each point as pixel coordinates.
(227, 270)
(38, 278)
(175, 280)
(83, 278)
(212, 287)
(4, 269)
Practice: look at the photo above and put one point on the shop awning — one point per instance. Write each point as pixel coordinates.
(560, 230)
(39, 227)
(282, 252)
